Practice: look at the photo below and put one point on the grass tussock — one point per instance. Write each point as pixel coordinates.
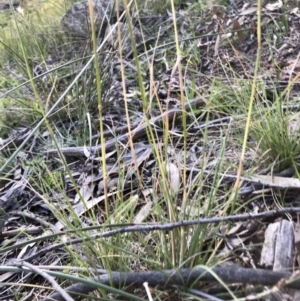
(139, 126)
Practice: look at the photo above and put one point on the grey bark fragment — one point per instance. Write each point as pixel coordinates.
(277, 253)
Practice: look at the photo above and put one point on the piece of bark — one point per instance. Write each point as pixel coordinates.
(278, 246)
(277, 253)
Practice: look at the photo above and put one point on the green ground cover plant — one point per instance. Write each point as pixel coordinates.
(160, 126)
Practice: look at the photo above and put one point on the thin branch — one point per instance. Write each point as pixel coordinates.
(168, 227)
(36, 218)
(183, 277)
(22, 231)
(50, 279)
(136, 133)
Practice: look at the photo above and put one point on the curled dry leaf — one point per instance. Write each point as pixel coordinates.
(274, 181)
(173, 176)
(274, 6)
(143, 213)
(294, 125)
